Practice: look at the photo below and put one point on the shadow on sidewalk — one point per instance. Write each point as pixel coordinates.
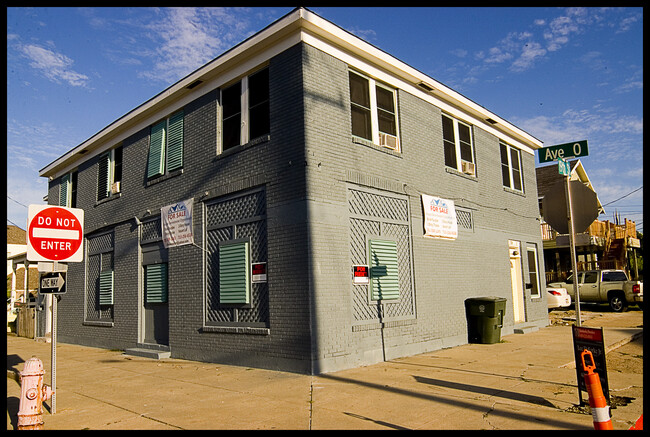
(486, 391)
(456, 402)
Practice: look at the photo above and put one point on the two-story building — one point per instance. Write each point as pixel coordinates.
(299, 154)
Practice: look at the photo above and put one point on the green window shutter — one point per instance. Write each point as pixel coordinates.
(384, 273)
(234, 273)
(103, 177)
(106, 287)
(175, 142)
(156, 163)
(156, 283)
(63, 197)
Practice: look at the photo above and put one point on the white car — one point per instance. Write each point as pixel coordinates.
(557, 298)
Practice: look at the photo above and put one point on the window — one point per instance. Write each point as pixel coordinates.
(373, 111)
(155, 285)
(68, 190)
(511, 167)
(590, 278)
(241, 126)
(166, 146)
(109, 173)
(99, 277)
(457, 142)
(384, 275)
(614, 276)
(234, 272)
(533, 271)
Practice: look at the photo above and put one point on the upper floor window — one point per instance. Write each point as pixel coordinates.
(373, 109)
(458, 148)
(245, 110)
(166, 145)
(511, 167)
(68, 190)
(109, 173)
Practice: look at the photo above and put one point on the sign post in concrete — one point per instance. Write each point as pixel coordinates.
(54, 234)
(561, 152)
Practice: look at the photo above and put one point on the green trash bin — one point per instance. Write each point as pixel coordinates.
(485, 319)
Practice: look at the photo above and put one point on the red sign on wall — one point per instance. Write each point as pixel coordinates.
(360, 275)
(55, 233)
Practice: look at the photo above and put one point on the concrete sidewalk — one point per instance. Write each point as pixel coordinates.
(527, 381)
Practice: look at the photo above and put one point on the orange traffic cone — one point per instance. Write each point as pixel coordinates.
(639, 423)
(597, 401)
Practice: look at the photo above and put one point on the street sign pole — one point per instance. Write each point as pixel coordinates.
(572, 237)
(55, 298)
(562, 153)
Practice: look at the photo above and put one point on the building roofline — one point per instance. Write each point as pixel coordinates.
(308, 24)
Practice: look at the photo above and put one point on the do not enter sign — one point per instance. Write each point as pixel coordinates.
(55, 233)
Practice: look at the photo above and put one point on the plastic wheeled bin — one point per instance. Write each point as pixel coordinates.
(485, 319)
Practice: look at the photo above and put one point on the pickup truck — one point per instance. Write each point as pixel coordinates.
(605, 286)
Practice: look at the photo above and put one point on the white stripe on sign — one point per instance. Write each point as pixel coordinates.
(61, 234)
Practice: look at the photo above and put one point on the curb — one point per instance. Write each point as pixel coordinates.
(611, 347)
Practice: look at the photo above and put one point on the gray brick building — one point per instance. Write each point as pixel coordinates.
(308, 151)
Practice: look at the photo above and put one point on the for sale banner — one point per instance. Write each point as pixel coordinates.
(176, 223)
(439, 217)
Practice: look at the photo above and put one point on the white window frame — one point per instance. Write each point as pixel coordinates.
(459, 160)
(244, 132)
(509, 148)
(111, 171)
(374, 110)
(534, 250)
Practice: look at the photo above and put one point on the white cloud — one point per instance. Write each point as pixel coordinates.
(573, 125)
(461, 53)
(54, 66)
(187, 38)
(497, 55)
(529, 54)
(626, 23)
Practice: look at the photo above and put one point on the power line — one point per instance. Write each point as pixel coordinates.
(631, 192)
(13, 224)
(8, 197)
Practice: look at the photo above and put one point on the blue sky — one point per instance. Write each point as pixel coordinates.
(561, 74)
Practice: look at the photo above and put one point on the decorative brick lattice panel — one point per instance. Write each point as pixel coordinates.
(373, 205)
(464, 219)
(234, 218)
(151, 231)
(375, 215)
(100, 243)
(238, 208)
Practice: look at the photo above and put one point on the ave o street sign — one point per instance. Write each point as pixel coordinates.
(55, 233)
(567, 150)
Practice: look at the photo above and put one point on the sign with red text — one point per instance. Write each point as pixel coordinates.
(258, 272)
(439, 218)
(55, 233)
(360, 275)
(176, 221)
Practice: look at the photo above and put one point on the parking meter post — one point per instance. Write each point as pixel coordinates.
(572, 237)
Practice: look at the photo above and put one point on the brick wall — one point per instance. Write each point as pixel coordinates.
(307, 167)
(445, 272)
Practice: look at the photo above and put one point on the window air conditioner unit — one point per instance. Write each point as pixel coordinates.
(388, 140)
(115, 188)
(468, 168)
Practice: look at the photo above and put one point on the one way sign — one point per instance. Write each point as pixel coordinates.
(52, 283)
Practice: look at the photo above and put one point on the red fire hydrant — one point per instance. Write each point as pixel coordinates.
(33, 393)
